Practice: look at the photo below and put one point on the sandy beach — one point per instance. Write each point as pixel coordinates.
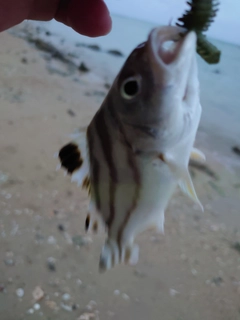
(51, 84)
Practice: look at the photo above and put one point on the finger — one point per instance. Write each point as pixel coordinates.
(12, 12)
(87, 17)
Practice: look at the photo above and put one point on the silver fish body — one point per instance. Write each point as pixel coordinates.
(137, 147)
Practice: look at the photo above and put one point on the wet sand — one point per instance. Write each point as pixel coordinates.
(190, 273)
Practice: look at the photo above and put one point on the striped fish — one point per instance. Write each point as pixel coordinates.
(136, 149)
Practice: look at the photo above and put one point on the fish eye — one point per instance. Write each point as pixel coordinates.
(130, 87)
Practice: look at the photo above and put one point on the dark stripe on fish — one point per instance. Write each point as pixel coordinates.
(131, 158)
(117, 124)
(95, 226)
(87, 222)
(94, 170)
(86, 183)
(137, 180)
(107, 147)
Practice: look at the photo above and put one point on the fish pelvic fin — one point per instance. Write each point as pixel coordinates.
(74, 159)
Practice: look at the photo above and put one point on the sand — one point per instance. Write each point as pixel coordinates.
(190, 273)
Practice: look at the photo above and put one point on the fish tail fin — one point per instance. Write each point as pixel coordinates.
(112, 255)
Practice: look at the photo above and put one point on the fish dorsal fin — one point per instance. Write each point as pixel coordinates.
(74, 159)
(184, 178)
(197, 155)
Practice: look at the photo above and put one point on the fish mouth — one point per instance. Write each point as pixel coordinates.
(166, 45)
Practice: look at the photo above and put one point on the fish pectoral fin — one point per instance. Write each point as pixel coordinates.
(197, 155)
(184, 179)
(74, 159)
(186, 185)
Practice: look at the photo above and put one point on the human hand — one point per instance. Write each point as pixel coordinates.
(87, 17)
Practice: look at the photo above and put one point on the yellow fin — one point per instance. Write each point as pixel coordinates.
(197, 155)
(187, 187)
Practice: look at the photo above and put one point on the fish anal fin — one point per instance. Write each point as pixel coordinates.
(160, 224)
(91, 224)
(187, 187)
(93, 221)
(157, 225)
(184, 179)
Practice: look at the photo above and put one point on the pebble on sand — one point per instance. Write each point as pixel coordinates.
(66, 296)
(20, 292)
(91, 305)
(51, 240)
(173, 292)
(2, 287)
(116, 292)
(81, 241)
(83, 67)
(194, 272)
(52, 305)
(30, 311)
(66, 307)
(9, 262)
(36, 306)
(87, 316)
(38, 293)
(51, 263)
(125, 296)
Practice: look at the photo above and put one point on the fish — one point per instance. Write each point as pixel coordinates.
(135, 151)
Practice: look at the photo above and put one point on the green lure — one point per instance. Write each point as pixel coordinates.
(199, 18)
